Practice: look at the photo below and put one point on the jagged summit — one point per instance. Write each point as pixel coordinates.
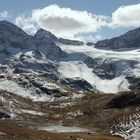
(16, 34)
(43, 33)
(14, 40)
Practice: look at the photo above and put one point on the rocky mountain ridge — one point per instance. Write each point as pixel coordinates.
(127, 41)
(68, 62)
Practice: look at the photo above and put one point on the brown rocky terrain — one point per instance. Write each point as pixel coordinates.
(100, 114)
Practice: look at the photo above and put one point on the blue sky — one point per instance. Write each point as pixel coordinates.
(94, 6)
(99, 13)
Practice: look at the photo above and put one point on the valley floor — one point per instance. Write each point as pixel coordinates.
(12, 131)
(93, 116)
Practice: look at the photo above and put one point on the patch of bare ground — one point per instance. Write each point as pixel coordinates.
(15, 132)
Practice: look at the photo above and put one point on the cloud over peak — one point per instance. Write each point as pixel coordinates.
(69, 23)
(63, 21)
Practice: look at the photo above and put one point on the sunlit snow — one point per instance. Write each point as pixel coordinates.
(74, 68)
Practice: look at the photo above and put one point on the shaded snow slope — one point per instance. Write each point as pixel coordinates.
(73, 69)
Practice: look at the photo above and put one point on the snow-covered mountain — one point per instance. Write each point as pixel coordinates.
(46, 78)
(71, 63)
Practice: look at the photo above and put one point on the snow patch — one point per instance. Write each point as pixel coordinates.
(51, 86)
(32, 112)
(13, 87)
(1, 133)
(73, 69)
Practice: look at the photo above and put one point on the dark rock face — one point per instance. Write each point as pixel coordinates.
(48, 48)
(77, 83)
(14, 40)
(46, 34)
(70, 42)
(20, 70)
(110, 68)
(11, 36)
(4, 116)
(124, 100)
(134, 82)
(90, 44)
(130, 40)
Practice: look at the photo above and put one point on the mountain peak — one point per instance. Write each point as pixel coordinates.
(43, 33)
(11, 35)
(6, 26)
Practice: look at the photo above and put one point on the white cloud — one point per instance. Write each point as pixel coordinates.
(27, 24)
(63, 22)
(69, 23)
(3, 15)
(126, 16)
(89, 37)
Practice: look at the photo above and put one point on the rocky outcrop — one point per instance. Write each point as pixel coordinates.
(78, 83)
(48, 48)
(128, 41)
(70, 42)
(46, 34)
(134, 82)
(4, 116)
(109, 68)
